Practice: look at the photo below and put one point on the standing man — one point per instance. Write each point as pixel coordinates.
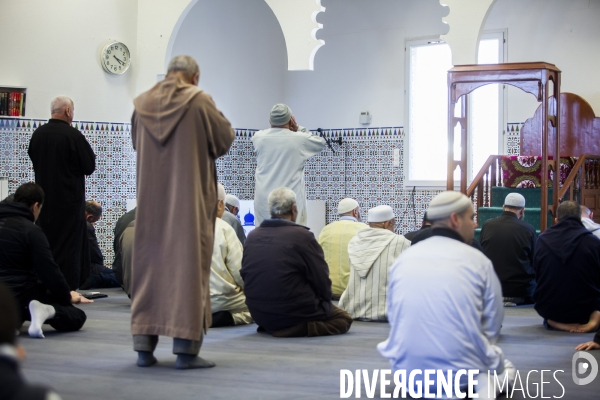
(509, 242)
(178, 133)
(280, 156)
(61, 158)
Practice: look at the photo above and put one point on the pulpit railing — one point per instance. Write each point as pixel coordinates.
(480, 189)
(583, 182)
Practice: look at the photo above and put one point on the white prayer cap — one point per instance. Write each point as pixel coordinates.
(446, 203)
(280, 115)
(220, 192)
(232, 200)
(515, 200)
(380, 214)
(347, 205)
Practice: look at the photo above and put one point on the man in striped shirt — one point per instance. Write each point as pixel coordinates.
(372, 252)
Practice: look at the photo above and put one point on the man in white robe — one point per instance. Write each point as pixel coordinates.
(281, 152)
(372, 252)
(227, 299)
(445, 304)
(588, 221)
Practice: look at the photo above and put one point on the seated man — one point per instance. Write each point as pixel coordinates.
(425, 233)
(28, 269)
(12, 384)
(126, 246)
(286, 279)
(445, 303)
(122, 224)
(334, 240)
(227, 299)
(587, 219)
(372, 252)
(567, 269)
(509, 242)
(232, 207)
(425, 224)
(100, 275)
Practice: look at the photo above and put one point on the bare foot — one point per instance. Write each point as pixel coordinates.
(559, 326)
(591, 326)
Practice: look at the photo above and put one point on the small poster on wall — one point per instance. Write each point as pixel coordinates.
(246, 215)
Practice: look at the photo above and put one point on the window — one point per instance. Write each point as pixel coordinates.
(427, 111)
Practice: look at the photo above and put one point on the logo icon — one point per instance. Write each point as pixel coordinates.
(582, 367)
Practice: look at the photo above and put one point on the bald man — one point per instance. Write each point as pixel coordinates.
(62, 158)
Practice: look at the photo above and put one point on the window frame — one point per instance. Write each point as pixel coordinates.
(502, 105)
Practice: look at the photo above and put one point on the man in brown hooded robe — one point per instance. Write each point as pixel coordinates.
(178, 133)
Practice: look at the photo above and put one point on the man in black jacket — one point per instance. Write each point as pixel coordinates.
(286, 278)
(100, 275)
(28, 269)
(509, 242)
(567, 269)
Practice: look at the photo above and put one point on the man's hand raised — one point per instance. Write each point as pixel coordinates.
(293, 124)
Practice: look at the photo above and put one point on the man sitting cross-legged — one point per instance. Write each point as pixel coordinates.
(445, 303)
(286, 279)
(28, 269)
(372, 252)
(227, 299)
(334, 239)
(567, 269)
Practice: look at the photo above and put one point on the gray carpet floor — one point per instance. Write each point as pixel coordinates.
(98, 362)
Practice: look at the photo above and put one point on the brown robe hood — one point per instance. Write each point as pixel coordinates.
(161, 108)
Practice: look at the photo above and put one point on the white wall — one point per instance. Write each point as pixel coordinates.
(53, 48)
(241, 51)
(564, 33)
(361, 66)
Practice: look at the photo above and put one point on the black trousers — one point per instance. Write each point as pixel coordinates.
(68, 318)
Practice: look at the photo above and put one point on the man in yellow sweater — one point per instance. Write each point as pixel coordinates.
(334, 240)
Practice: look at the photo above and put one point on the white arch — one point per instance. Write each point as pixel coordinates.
(466, 20)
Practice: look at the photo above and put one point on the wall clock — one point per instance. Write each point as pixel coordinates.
(115, 58)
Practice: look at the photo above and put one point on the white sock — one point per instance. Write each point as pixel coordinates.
(40, 313)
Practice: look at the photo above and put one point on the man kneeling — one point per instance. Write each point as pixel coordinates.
(28, 269)
(287, 285)
(444, 300)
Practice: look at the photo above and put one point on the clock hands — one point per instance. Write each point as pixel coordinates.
(121, 62)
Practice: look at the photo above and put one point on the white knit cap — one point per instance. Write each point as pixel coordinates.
(347, 205)
(280, 115)
(514, 200)
(380, 214)
(220, 192)
(446, 203)
(232, 200)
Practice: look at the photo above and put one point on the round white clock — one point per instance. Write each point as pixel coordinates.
(115, 58)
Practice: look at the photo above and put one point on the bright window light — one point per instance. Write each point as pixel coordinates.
(429, 65)
(428, 112)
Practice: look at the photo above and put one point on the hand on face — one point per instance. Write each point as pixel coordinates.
(293, 124)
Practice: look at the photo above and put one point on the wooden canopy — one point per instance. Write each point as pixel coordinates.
(533, 78)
